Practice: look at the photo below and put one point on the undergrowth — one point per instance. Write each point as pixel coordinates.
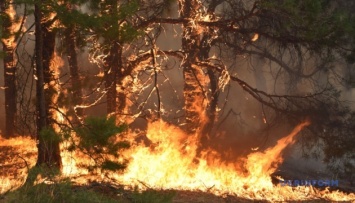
(54, 189)
(65, 192)
(59, 192)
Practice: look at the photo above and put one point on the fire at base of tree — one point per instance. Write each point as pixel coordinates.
(172, 165)
(204, 96)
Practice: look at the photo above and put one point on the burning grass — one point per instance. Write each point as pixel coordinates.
(168, 163)
(17, 156)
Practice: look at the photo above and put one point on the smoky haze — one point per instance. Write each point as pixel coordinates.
(243, 126)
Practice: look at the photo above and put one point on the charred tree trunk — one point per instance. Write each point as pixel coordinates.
(48, 146)
(194, 92)
(8, 43)
(121, 96)
(205, 48)
(213, 94)
(74, 70)
(111, 70)
(114, 75)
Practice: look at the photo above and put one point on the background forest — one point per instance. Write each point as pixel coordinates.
(235, 74)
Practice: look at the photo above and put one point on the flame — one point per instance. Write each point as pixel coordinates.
(10, 41)
(58, 114)
(170, 162)
(255, 37)
(17, 156)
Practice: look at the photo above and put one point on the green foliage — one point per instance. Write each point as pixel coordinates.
(129, 33)
(128, 9)
(98, 139)
(152, 196)
(318, 25)
(44, 171)
(61, 191)
(56, 191)
(112, 166)
(97, 131)
(48, 135)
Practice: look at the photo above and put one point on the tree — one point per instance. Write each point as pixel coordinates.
(48, 142)
(115, 25)
(9, 43)
(70, 35)
(99, 142)
(301, 40)
(113, 69)
(109, 29)
(102, 26)
(194, 86)
(304, 41)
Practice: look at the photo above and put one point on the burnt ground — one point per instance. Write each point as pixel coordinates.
(17, 157)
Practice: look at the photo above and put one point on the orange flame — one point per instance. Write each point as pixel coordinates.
(17, 155)
(169, 162)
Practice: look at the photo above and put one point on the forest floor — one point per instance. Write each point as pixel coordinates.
(17, 156)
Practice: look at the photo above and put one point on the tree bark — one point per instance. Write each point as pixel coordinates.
(74, 70)
(194, 93)
(205, 48)
(113, 69)
(48, 147)
(9, 43)
(211, 110)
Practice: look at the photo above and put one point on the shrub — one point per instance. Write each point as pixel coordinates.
(98, 140)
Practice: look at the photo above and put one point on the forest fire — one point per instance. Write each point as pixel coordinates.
(176, 95)
(17, 156)
(169, 162)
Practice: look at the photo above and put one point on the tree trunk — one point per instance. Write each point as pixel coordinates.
(9, 70)
(48, 147)
(74, 70)
(111, 69)
(211, 110)
(194, 84)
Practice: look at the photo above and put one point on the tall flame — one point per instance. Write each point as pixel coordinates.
(169, 162)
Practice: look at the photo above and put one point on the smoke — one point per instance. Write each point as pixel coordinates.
(243, 125)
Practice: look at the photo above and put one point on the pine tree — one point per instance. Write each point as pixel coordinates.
(8, 39)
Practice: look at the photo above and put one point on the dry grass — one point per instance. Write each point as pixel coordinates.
(17, 155)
